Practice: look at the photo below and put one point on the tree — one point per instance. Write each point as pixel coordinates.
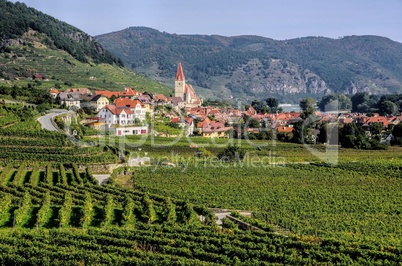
(353, 136)
(344, 102)
(231, 153)
(302, 133)
(388, 108)
(251, 122)
(334, 102)
(328, 103)
(375, 130)
(272, 103)
(397, 133)
(260, 106)
(362, 102)
(308, 107)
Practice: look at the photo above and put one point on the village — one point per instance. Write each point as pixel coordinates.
(129, 112)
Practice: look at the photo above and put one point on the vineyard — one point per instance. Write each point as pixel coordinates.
(26, 141)
(58, 215)
(54, 212)
(355, 202)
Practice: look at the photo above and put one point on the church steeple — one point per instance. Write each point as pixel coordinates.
(180, 73)
(179, 83)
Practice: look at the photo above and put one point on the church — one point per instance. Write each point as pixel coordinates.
(185, 91)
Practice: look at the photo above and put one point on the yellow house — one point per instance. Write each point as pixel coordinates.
(98, 102)
(213, 129)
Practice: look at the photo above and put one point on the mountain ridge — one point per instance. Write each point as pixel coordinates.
(32, 42)
(247, 66)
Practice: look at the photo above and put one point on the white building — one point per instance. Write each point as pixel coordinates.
(69, 99)
(136, 106)
(113, 115)
(129, 130)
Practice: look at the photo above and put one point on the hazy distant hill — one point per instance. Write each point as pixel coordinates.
(252, 66)
(32, 42)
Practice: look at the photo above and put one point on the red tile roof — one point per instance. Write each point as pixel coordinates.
(116, 110)
(129, 92)
(107, 94)
(127, 102)
(175, 120)
(377, 119)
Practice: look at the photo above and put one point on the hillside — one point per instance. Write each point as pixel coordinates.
(252, 66)
(32, 42)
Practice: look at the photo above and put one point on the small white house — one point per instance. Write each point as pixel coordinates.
(129, 130)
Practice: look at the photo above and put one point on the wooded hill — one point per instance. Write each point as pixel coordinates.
(252, 66)
(32, 42)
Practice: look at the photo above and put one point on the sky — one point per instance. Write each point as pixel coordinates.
(277, 19)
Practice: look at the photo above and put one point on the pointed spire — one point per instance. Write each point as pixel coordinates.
(180, 74)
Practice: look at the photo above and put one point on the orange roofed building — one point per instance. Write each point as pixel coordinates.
(185, 91)
(127, 93)
(212, 129)
(136, 106)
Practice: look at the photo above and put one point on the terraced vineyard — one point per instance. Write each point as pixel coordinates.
(58, 214)
(26, 141)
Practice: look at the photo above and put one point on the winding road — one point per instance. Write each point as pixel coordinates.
(46, 120)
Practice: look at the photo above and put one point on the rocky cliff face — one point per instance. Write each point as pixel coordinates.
(276, 77)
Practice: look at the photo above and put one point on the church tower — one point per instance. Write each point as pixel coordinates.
(179, 83)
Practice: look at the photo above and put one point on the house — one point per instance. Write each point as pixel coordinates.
(250, 111)
(137, 107)
(160, 99)
(108, 94)
(186, 123)
(113, 115)
(81, 91)
(129, 93)
(215, 129)
(128, 130)
(377, 119)
(69, 99)
(94, 102)
(212, 129)
(54, 93)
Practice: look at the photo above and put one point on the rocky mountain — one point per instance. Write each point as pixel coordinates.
(32, 42)
(253, 66)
